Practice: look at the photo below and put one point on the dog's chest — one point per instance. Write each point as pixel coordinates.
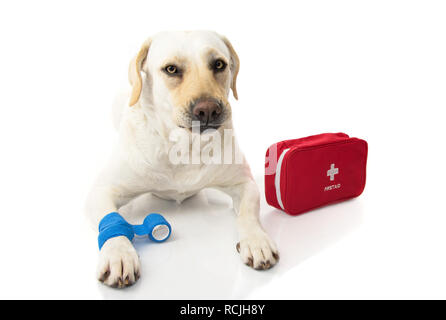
(174, 180)
(181, 182)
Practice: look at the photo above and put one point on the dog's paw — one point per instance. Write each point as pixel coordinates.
(118, 265)
(258, 251)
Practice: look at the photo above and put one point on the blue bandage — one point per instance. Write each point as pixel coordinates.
(114, 225)
(155, 226)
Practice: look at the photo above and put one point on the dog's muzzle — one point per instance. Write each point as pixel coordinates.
(208, 113)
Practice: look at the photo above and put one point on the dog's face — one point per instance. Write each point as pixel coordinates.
(188, 75)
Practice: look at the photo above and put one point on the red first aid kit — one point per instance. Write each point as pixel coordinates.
(307, 173)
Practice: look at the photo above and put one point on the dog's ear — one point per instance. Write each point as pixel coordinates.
(135, 72)
(234, 66)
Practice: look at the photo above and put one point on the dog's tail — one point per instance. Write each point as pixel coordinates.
(119, 102)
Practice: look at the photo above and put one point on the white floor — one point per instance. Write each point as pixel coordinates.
(200, 261)
(355, 249)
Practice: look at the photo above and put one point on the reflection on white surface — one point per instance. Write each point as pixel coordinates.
(200, 261)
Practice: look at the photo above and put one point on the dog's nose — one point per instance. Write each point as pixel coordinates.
(207, 111)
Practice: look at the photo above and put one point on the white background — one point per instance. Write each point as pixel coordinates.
(372, 69)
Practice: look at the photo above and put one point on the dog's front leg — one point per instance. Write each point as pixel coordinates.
(256, 248)
(118, 264)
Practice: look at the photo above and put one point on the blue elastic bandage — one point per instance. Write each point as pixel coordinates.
(114, 225)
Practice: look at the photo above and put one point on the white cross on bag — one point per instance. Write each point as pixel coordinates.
(332, 171)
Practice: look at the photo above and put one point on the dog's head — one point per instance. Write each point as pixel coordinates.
(188, 75)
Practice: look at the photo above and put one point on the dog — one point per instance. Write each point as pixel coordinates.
(180, 82)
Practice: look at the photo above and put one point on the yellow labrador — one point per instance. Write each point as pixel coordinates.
(180, 84)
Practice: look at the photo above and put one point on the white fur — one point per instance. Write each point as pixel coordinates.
(140, 164)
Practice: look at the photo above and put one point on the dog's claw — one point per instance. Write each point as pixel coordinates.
(104, 276)
(261, 266)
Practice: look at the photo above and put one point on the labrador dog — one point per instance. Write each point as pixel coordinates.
(180, 82)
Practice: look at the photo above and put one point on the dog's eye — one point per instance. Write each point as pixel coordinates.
(171, 69)
(219, 65)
